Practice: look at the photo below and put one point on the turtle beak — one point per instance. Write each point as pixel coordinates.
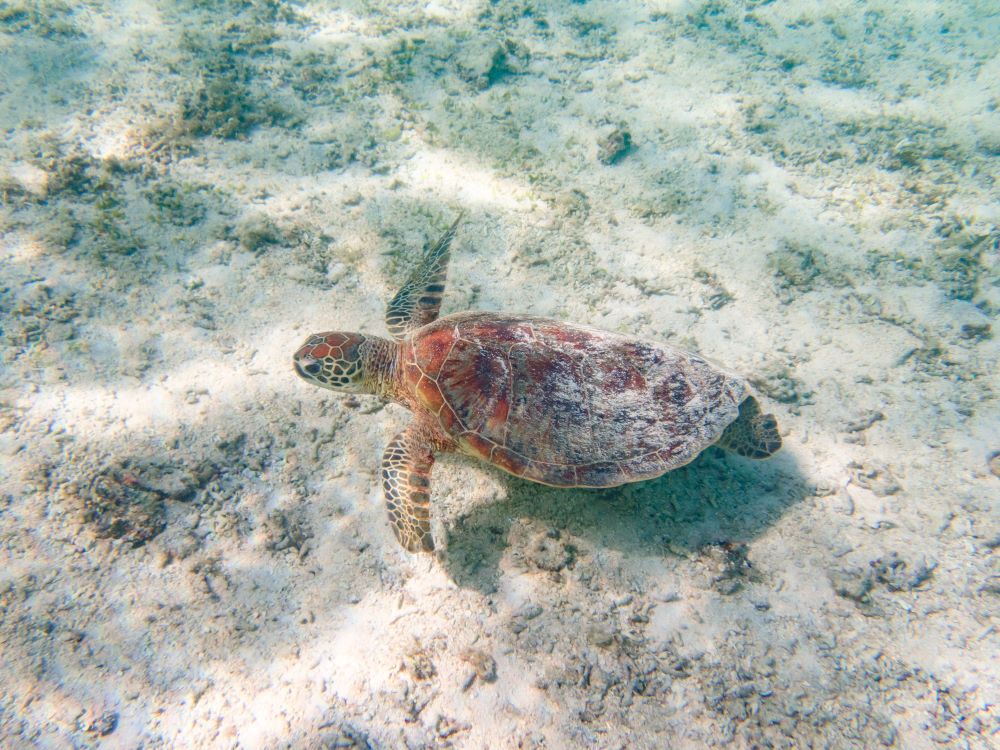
(306, 367)
(298, 361)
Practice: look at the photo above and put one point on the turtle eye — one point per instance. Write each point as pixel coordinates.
(307, 366)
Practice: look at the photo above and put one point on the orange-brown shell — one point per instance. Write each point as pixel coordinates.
(566, 405)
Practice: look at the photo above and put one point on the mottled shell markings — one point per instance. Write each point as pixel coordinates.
(552, 402)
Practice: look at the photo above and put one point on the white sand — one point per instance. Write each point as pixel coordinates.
(811, 199)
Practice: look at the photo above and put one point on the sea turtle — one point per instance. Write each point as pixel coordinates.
(556, 403)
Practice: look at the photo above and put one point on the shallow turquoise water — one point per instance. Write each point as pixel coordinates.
(195, 549)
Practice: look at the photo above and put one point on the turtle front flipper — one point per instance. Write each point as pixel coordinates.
(752, 434)
(406, 476)
(419, 301)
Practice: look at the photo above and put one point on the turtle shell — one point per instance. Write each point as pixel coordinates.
(563, 404)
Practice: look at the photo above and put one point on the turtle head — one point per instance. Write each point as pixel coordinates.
(335, 360)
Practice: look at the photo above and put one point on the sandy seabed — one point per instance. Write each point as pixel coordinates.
(193, 547)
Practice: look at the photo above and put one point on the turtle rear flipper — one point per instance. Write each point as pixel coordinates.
(406, 475)
(752, 434)
(418, 302)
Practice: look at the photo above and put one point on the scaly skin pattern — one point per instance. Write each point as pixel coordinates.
(561, 404)
(351, 362)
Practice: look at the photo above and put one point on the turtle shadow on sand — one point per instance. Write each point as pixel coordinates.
(716, 498)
